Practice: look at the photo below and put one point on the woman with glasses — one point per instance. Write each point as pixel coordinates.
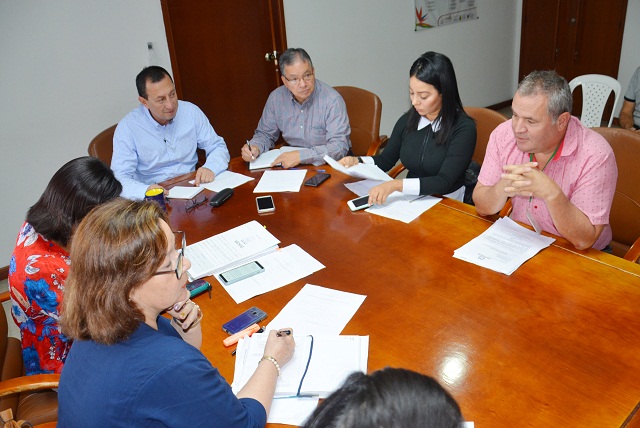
(434, 140)
(129, 365)
(40, 261)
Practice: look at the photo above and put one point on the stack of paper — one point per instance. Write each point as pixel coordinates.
(231, 248)
(323, 313)
(184, 192)
(361, 170)
(330, 360)
(266, 159)
(503, 247)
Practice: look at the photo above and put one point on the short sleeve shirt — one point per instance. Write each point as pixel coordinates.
(586, 172)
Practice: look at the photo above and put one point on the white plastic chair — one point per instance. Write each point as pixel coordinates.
(595, 93)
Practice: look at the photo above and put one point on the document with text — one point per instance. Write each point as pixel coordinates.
(504, 247)
(228, 249)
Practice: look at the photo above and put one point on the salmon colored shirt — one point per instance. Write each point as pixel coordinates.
(585, 170)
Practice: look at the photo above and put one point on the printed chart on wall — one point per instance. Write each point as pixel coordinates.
(435, 13)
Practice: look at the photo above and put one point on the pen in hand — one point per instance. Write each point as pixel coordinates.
(281, 333)
(249, 146)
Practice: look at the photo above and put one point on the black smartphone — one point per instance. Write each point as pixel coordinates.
(251, 316)
(317, 179)
(241, 272)
(197, 287)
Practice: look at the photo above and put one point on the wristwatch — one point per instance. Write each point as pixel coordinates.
(360, 160)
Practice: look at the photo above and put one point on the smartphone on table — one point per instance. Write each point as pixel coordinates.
(250, 316)
(317, 179)
(359, 203)
(241, 272)
(265, 204)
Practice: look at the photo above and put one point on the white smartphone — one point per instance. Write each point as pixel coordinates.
(241, 272)
(265, 204)
(359, 203)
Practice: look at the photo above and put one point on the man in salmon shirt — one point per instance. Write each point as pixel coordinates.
(560, 175)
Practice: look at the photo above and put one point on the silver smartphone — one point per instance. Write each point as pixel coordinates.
(359, 203)
(265, 204)
(241, 272)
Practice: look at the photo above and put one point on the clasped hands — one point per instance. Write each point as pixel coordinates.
(529, 181)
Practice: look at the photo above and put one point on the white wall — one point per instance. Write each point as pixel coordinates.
(67, 71)
(630, 55)
(372, 44)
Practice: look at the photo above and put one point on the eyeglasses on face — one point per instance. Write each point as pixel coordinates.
(178, 269)
(307, 77)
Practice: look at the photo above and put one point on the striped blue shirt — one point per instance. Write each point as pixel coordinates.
(320, 124)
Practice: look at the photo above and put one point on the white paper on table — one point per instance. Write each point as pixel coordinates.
(266, 159)
(289, 180)
(361, 170)
(503, 247)
(225, 180)
(292, 411)
(230, 248)
(405, 208)
(362, 187)
(317, 310)
(323, 368)
(184, 192)
(281, 267)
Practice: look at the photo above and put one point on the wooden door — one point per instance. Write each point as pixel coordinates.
(573, 37)
(218, 58)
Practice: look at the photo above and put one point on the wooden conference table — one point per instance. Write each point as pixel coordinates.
(555, 344)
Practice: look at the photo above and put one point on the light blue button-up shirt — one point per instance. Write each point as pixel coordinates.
(145, 152)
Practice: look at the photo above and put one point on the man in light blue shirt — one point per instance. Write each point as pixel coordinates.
(158, 139)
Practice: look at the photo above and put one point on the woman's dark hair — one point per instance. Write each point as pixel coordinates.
(437, 70)
(387, 398)
(73, 191)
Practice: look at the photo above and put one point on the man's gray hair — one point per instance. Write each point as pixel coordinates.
(553, 86)
(291, 56)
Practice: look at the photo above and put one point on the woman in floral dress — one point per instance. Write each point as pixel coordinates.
(40, 262)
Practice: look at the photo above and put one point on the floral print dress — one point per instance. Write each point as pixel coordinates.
(37, 272)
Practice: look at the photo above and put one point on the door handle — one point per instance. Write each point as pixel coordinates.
(271, 56)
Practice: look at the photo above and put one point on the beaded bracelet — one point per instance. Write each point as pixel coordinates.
(273, 360)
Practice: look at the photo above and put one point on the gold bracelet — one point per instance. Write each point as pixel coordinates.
(273, 360)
